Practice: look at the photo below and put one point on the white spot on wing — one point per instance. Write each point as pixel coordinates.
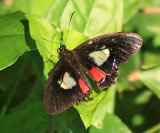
(67, 82)
(90, 42)
(100, 56)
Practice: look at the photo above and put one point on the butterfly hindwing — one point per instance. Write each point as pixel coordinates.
(66, 86)
(100, 57)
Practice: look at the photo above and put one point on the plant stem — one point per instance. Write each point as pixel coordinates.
(51, 124)
(153, 129)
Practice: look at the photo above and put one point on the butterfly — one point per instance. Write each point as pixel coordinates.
(99, 57)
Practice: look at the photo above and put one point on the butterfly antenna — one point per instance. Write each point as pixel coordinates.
(51, 57)
(69, 26)
(49, 40)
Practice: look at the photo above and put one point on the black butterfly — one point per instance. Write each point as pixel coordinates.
(99, 57)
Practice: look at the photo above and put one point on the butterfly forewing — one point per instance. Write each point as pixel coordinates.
(100, 57)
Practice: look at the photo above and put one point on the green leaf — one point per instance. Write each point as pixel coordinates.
(46, 39)
(35, 95)
(130, 66)
(125, 69)
(145, 28)
(150, 31)
(105, 105)
(151, 57)
(150, 3)
(12, 74)
(143, 97)
(111, 124)
(73, 39)
(14, 38)
(69, 122)
(32, 119)
(130, 8)
(93, 111)
(95, 18)
(38, 7)
(3, 7)
(54, 16)
(151, 78)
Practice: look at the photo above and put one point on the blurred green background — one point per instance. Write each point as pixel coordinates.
(132, 105)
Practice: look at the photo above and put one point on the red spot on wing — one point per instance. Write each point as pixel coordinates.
(83, 86)
(63, 52)
(97, 74)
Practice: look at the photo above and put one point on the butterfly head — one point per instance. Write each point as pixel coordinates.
(63, 49)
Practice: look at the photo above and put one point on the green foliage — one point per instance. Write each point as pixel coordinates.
(37, 27)
(130, 8)
(26, 120)
(152, 82)
(88, 18)
(109, 121)
(40, 30)
(13, 29)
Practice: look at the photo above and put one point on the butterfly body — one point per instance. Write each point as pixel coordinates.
(99, 57)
